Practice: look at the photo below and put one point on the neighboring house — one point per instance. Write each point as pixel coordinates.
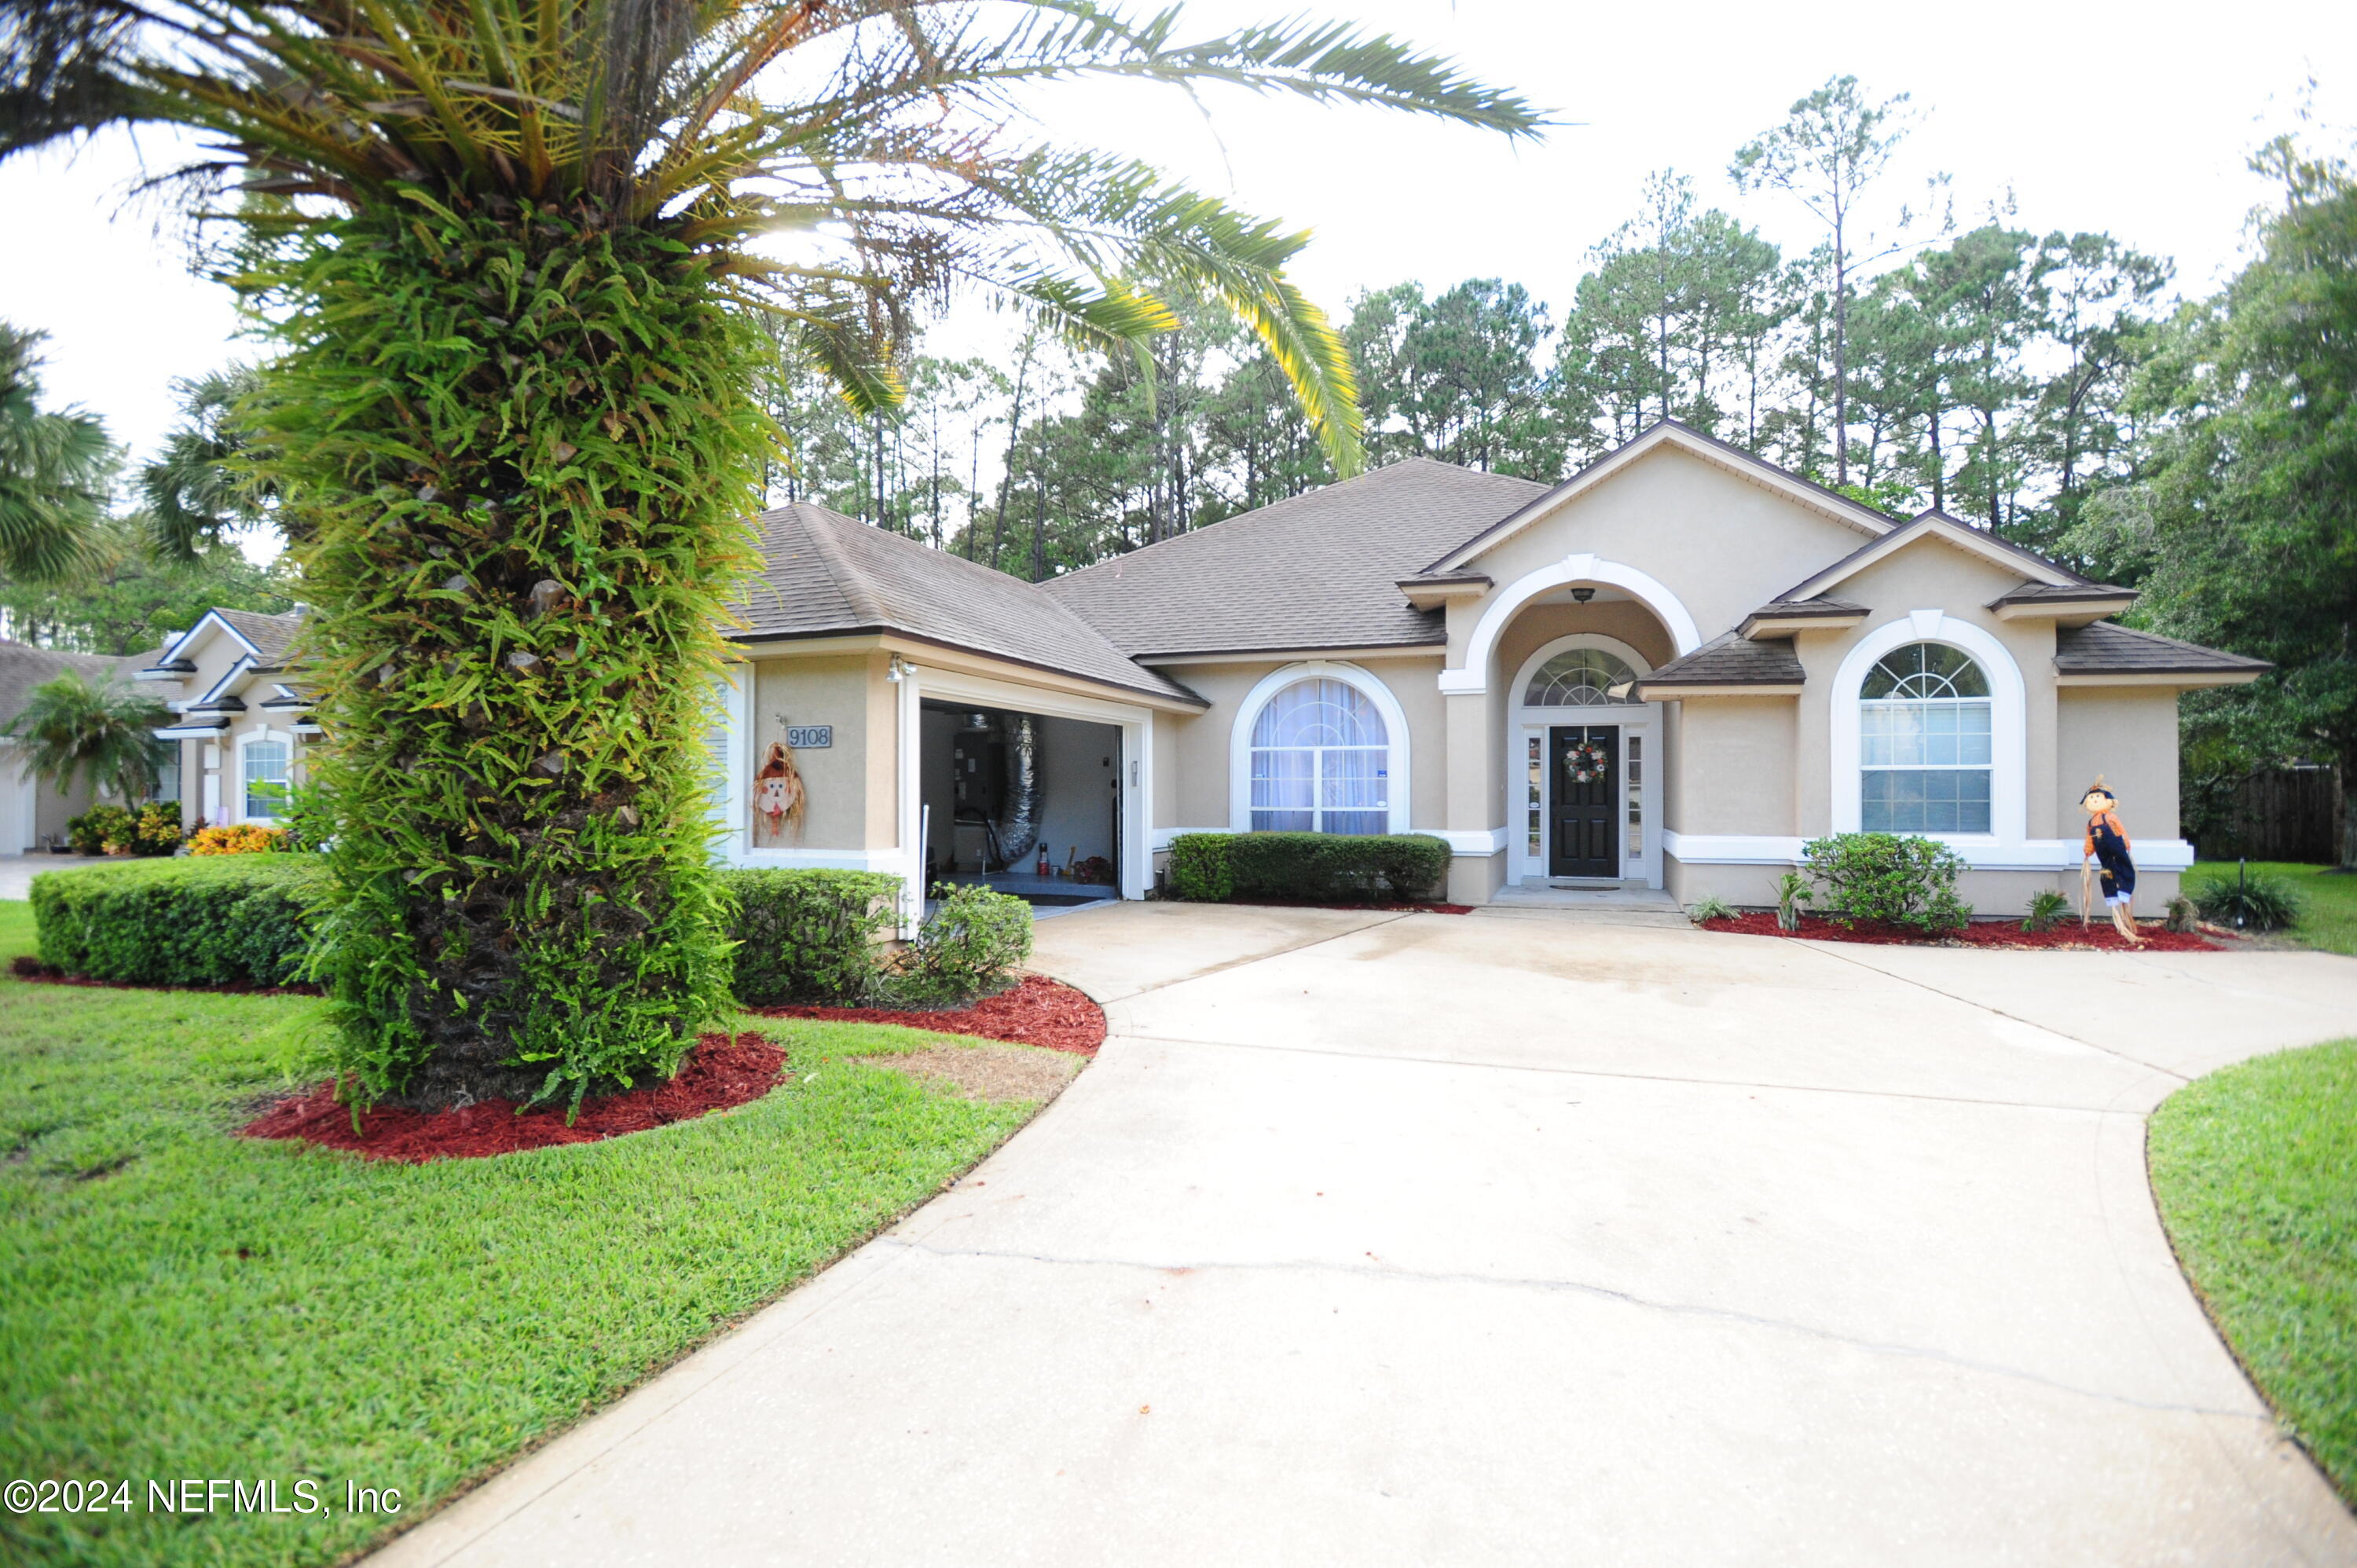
(241, 725)
(33, 812)
(1670, 670)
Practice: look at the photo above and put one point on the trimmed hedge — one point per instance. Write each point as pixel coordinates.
(245, 920)
(802, 935)
(1325, 868)
(806, 934)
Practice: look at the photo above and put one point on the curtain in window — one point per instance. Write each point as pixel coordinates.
(1320, 762)
(1924, 743)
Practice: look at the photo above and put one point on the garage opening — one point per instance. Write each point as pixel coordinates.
(1027, 804)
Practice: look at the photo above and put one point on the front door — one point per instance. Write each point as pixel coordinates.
(1581, 841)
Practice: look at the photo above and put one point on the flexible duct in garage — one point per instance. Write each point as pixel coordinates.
(1017, 827)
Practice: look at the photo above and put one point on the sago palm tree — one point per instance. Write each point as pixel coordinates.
(54, 468)
(71, 729)
(510, 247)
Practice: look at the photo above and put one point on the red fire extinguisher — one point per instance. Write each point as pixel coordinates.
(1043, 860)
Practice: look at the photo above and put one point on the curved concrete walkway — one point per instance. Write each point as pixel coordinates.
(1508, 1238)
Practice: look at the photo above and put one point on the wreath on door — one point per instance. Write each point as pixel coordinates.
(1585, 762)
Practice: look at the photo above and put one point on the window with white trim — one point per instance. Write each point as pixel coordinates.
(1320, 761)
(1924, 743)
(1580, 678)
(262, 767)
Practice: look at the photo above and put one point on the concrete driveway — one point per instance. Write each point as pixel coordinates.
(1508, 1238)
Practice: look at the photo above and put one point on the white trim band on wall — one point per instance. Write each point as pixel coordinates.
(1980, 854)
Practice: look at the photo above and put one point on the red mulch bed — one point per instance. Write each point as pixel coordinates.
(1038, 1012)
(719, 1072)
(2098, 936)
(28, 968)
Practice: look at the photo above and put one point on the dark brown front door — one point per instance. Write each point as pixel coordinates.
(1581, 842)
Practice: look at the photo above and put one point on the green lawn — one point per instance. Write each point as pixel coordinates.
(2255, 1170)
(183, 1304)
(2331, 921)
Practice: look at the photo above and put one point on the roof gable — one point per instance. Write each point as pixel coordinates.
(1665, 435)
(265, 638)
(1936, 526)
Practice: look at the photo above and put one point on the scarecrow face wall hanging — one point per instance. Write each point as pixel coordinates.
(778, 796)
(2107, 846)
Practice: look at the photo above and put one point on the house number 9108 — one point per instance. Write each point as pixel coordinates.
(810, 738)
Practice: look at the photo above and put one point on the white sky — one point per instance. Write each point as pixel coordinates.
(2134, 119)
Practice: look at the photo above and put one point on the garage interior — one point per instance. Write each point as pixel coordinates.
(1023, 803)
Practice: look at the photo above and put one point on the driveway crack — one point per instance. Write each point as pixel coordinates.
(1594, 1291)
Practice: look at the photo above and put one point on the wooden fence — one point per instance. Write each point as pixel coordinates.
(2277, 813)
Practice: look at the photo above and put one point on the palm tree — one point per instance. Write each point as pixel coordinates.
(198, 491)
(70, 729)
(54, 468)
(511, 252)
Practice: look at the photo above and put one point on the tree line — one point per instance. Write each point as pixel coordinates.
(1983, 369)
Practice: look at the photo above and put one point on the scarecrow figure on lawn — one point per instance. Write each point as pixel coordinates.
(2107, 844)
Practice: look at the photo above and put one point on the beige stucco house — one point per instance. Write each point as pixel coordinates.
(1668, 671)
(33, 810)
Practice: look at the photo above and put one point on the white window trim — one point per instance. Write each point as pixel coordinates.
(1642, 720)
(2008, 724)
(237, 751)
(1248, 714)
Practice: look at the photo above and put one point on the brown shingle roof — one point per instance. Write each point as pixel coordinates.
(2061, 593)
(24, 667)
(2108, 648)
(1319, 570)
(1802, 609)
(1730, 660)
(826, 575)
(271, 634)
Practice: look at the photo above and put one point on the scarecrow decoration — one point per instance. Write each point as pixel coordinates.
(1584, 761)
(778, 796)
(2107, 846)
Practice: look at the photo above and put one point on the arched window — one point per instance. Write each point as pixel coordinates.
(1580, 678)
(1320, 761)
(1924, 743)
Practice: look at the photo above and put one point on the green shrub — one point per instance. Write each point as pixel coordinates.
(89, 831)
(808, 935)
(2257, 902)
(1792, 892)
(243, 920)
(2047, 907)
(158, 831)
(1199, 871)
(1710, 907)
(1885, 879)
(973, 944)
(1324, 868)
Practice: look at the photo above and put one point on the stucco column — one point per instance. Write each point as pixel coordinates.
(1475, 804)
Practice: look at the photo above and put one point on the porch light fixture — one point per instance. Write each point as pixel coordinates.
(900, 670)
(1583, 594)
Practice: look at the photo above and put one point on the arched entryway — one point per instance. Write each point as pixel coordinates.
(1583, 763)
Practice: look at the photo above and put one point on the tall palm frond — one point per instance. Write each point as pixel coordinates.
(198, 492)
(71, 729)
(54, 468)
(873, 129)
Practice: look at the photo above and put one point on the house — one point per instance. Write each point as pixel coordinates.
(33, 813)
(239, 721)
(1668, 671)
